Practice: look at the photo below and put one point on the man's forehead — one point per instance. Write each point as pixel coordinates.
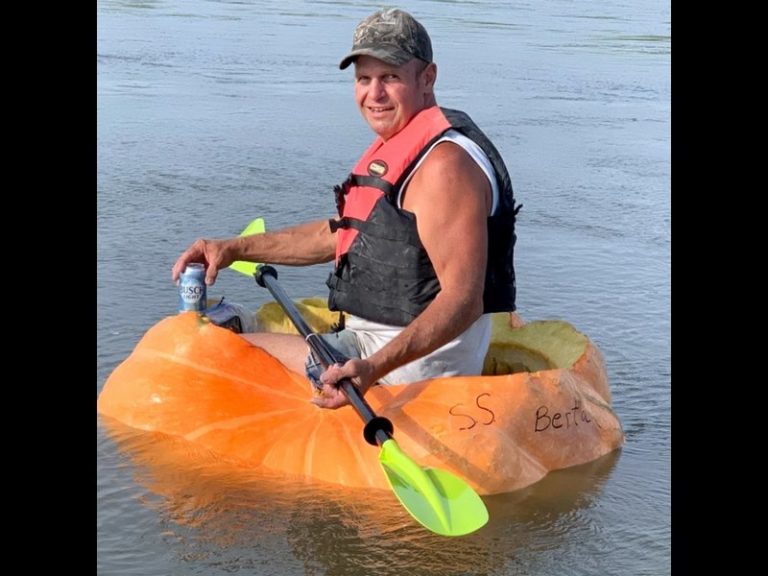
(370, 63)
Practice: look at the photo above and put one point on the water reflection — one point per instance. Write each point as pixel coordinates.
(233, 517)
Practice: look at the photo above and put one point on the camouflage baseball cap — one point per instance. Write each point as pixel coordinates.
(391, 35)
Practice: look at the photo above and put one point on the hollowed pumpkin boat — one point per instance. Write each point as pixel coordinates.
(543, 403)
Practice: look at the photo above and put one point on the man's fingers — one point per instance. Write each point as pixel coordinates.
(210, 275)
(329, 397)
(332, 375)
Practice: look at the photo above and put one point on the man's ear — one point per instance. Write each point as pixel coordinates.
(430, 75)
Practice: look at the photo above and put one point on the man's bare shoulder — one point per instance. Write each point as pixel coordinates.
(447, 173)
(446, 155)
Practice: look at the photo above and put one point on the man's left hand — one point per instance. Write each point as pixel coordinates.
(359, 372)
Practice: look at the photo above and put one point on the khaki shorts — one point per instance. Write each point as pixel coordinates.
(462, 356)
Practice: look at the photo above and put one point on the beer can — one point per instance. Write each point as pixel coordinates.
(193, 294)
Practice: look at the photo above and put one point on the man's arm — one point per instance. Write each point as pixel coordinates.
(451, 198)
(309, 243)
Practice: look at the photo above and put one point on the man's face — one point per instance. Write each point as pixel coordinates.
(389, 96)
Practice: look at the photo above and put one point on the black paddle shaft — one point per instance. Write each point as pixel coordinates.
(377, 429)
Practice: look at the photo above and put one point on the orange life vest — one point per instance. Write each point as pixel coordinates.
(383, 273)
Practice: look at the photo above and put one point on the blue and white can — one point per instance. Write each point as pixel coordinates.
(193, 294)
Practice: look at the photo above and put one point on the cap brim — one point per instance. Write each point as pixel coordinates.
(389, 54)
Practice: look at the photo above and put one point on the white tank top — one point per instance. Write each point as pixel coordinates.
(477, 154)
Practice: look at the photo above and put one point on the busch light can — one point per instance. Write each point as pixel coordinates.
(193, 294)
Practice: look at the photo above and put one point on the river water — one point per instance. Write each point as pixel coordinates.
(211, 113)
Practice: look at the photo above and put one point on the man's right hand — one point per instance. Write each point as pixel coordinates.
(214, 254)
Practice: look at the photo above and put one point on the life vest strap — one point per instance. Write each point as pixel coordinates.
(373, 182)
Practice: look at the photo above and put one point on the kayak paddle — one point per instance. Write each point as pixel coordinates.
(439, 500)
(249, 268)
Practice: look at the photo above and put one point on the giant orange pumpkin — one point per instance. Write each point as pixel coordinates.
(500, 431)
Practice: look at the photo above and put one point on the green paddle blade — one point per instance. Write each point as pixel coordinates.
(437, 499)
(248, 268)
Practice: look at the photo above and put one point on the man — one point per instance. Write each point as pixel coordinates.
(424, 243)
